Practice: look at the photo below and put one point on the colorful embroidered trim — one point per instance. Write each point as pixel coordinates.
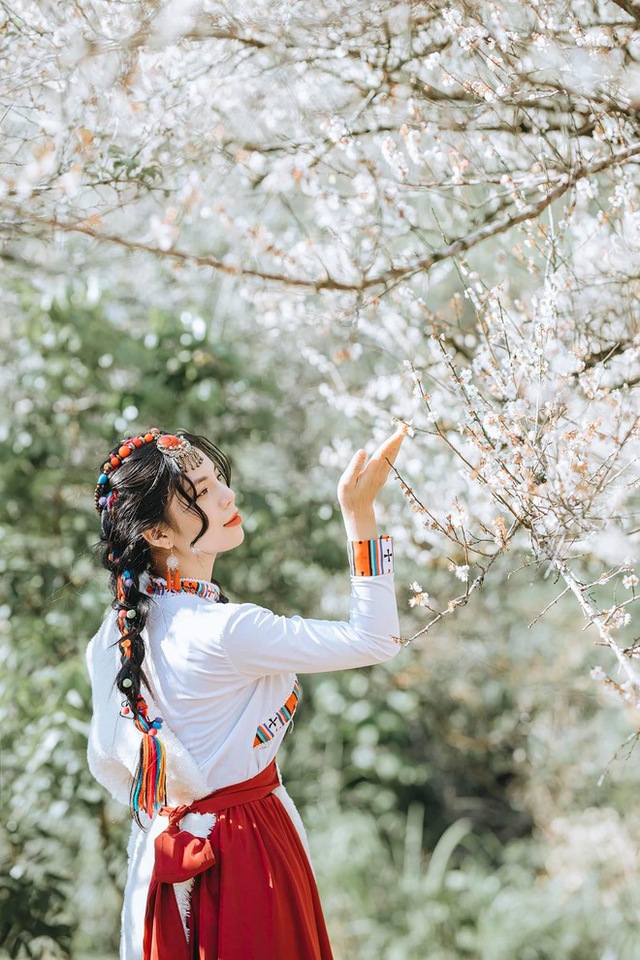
(267, 731)
(201, 588)
(369, 558)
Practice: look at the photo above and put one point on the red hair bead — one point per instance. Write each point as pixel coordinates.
(124, 452)
(115, 462)
(148, 437)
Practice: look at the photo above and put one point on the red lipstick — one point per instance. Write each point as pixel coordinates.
(235, 520)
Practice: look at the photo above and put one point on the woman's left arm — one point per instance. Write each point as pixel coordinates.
(259, 642)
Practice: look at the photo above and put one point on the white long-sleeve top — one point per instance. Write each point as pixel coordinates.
(224, 680)
(221, 671)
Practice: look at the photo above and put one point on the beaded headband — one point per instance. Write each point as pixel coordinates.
(179, 449)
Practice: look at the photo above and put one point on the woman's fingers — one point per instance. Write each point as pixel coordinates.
(388, 449)
(360, 483)
(353, 469)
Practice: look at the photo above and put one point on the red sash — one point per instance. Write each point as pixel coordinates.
(254, 896)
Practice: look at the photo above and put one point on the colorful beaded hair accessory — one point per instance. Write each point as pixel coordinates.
(101, 499)
(179, 449)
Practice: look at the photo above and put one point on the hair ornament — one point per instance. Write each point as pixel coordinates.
(116, 460)
(150, 790)
(180, 450)
(120, 592)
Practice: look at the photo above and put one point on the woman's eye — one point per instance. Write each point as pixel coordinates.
(202, 493)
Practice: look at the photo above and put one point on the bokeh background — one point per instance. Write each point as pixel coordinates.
(475, 798)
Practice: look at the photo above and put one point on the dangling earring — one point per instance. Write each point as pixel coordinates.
(173, 574)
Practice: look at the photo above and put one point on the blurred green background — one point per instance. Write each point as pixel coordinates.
(451, 797)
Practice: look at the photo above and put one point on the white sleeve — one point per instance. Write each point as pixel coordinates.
(258, 642)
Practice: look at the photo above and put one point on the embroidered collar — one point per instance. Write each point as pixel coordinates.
(157, 586)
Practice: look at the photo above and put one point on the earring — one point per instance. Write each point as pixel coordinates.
(196, 551)
(173, 574)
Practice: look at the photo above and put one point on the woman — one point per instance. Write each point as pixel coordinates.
(192, 695)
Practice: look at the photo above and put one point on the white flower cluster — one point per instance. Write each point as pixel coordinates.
(420, 597)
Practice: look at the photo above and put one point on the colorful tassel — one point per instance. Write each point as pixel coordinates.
(150, 791)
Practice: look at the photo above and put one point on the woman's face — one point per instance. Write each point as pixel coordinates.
(217, 501)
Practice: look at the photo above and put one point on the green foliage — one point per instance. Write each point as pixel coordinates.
(471, 899)
(34, 894)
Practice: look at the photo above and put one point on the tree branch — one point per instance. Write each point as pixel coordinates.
(490, 228)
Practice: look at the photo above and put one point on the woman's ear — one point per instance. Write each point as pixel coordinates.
(156, 537)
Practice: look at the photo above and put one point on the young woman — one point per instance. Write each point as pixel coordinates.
(192, 695)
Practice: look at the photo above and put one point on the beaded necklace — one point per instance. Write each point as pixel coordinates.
(157, 586)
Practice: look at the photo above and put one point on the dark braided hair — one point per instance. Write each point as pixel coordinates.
(135, 498)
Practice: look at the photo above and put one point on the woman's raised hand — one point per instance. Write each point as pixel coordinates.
(361, 482)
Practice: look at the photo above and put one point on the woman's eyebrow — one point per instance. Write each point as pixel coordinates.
(201, 479)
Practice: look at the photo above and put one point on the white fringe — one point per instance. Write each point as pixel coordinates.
(183, 899)
(198, 825)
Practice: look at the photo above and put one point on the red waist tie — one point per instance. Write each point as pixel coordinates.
(254, 895)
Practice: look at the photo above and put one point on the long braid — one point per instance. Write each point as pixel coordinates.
(126, 560)
(148, 790)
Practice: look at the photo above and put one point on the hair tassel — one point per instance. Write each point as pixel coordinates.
(150, 791)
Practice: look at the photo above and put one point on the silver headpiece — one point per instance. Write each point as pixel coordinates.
(181, 450)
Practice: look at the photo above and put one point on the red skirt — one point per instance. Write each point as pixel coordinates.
(254, 896)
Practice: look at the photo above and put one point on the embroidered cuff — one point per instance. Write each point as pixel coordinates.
(369, 558)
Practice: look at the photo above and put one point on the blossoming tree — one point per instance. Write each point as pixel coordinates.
(435, 202)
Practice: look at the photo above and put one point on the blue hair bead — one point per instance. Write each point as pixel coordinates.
(126, 574)
(103, 478)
